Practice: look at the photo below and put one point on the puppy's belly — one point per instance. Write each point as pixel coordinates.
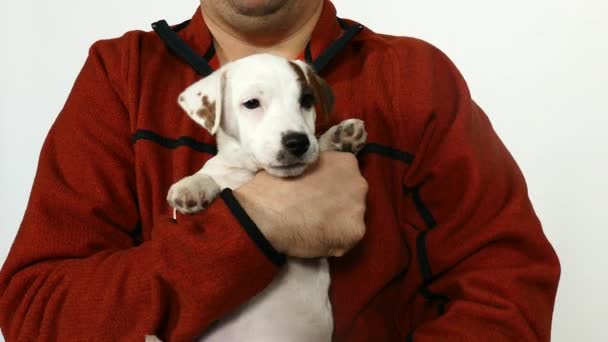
(295, 307)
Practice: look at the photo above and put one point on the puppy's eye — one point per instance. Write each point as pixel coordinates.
(307, 100)
(251, 104)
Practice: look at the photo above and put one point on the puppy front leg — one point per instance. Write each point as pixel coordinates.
(193, 193)
(347, 136)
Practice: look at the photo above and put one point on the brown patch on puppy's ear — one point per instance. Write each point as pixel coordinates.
(304, 86)
(299, 73)
(310, 82)
(207, 113)
(203, 101)
(323, 93)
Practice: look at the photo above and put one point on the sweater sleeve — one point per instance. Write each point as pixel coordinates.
(74, 272)
(484, 269)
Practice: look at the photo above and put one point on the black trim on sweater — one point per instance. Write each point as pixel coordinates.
(201, 64)
(387, 151)
(424, 212)
(423, 259)
(425, 267)
(209, 54)
(343, 24)
(181, 26)
(308, 54)
(137, 235)
(251, 228)
(324, 58)
(142, 134)
(180, 48)
(370, 148)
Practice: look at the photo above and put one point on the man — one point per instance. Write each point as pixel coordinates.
(452, 250)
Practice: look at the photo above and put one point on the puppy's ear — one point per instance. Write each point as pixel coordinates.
(203, 100)
(321, 90)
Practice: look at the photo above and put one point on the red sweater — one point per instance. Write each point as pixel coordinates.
(453, 250)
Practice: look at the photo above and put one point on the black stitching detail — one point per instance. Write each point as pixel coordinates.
(308, 54)
(387, 152)
(180, 48)
(421, 252)
(251, 228)
(425, 267)
(322, 60)
(181, 26)
(137, 235)
(428, 218)
(370, 148)
(173, 143)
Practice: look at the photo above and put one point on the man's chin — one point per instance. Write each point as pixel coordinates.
(258, 8)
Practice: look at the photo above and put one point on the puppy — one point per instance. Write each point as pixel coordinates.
(262, 111)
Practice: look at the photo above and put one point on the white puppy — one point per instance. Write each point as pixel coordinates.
(262, 110)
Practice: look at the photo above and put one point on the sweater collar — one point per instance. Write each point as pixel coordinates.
(197, 36)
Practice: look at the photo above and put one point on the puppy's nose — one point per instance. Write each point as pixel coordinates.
(296, 143)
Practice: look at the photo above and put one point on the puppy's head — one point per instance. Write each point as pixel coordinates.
(267, 104)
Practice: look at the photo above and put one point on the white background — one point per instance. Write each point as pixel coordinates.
(538, 68)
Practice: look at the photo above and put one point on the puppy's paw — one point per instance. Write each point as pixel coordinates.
(192, 194)
(347, 136)
(150, 338)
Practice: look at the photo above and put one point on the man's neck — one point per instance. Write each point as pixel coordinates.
(231, 45)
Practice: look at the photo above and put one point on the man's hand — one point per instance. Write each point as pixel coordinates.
(318, 214)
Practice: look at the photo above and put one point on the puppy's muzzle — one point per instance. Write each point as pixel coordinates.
(296, 143)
